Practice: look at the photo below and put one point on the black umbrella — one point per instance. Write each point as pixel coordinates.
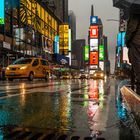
(129, 5)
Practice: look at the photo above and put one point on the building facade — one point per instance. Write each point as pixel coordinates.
(29, 30)
(78, 53)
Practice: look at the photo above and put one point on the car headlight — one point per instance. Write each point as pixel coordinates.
(102, 74)
(95, 74)
(24, 67)
(7, 68)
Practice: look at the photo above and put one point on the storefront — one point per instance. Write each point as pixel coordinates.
(29, 30)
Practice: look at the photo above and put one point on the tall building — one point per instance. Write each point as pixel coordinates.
(72, 23)
(58, 7)
(78, 53)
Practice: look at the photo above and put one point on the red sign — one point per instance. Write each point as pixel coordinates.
(93, 58)
(93, 31)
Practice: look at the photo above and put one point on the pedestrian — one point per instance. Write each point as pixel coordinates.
(132, 39)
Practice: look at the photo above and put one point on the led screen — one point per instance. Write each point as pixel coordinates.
(93, 58)
(86, 53)
(101, 52)
(93, 31)
(1, 11)
(93, 19)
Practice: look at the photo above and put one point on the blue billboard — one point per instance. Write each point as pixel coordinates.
(121, 39)
(1, 11)
(93, 20)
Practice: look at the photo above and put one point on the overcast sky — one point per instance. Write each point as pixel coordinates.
(103, 9)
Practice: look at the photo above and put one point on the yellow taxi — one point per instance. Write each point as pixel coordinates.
(29, 68)
(98, 75)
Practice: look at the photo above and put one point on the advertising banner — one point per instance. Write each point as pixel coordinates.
(56, 44)
(86, 53)
(93, 31)
(93, 19)
(1, 11)
(93, 58)
(101, 52)
(93, 45)
(47, 44)
(64, 39)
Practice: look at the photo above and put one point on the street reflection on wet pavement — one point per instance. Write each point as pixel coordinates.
(75, 107)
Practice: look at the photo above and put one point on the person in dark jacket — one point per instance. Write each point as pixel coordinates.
(132, 39)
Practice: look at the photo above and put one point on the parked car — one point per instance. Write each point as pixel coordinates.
(98, 75)
(28, 68)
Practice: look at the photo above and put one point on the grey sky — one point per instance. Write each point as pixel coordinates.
(105, 10)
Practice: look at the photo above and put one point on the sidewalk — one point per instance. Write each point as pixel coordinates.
(132, 102)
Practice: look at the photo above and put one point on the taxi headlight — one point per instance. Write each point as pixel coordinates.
(102, 74)
(24, 67)
(7, 68)
(95, 74)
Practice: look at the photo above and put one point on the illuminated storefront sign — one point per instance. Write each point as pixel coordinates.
(1, 11)
(101, 52)
(93, 58)
(93, 31)
(86, 53)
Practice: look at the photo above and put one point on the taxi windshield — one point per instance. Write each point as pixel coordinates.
(22, 61)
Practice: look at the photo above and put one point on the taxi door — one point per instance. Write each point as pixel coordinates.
(36, 68)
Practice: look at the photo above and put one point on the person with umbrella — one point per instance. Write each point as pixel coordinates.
(132, 39)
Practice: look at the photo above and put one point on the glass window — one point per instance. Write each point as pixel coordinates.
(45, 63)
(8, 4)
(22, 61)
(36, 62)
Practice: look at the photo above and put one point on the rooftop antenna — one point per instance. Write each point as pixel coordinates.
(92, 10)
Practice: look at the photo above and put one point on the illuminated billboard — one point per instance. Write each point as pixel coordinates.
(86, 53)
(93, 31)
(56, 44)
(101, 52)
(64, 39)
(47, 44)
(121, 39)
(93, 44)
(101, 65)
(1, 11)
(93, 19)
(93, 58)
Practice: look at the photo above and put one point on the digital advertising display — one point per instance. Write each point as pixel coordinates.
(93, 58)
(121, 39)
(93, 44)
(56, 44)
(101, 65)
(1, 11)
(93, 31)
(86, 53)
(101, 52)
(93, 19)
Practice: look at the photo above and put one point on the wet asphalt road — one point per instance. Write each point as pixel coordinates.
(76, 107)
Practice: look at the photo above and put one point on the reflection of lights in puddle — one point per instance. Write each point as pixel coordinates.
(22, 94)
